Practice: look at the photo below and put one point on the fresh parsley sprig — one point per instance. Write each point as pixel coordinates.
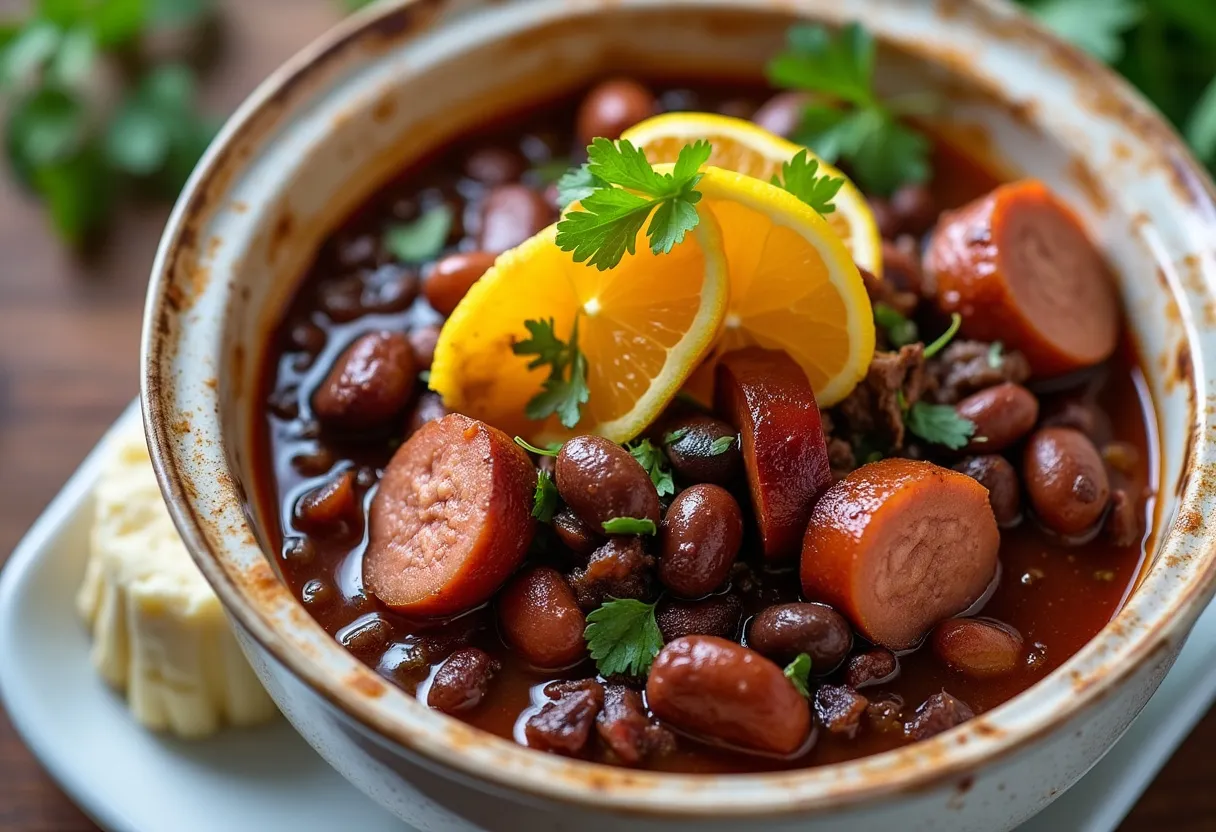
(544, 500)
(623, 637)
(956, 320)
(900, 330)
(655, 464)
(799, 673)
(608, 220)
(552, 449)
(939, 424)
(565, 390)
(848, 120)
(800, 176)
(630, 525)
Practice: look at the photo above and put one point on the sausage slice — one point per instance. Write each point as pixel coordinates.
(765, 394)
(899, 545)
(452, 518)
(1019, 268)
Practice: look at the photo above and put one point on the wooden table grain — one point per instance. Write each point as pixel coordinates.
(69, 334)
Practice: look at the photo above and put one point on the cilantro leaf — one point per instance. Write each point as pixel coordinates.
(721, 445)
(939, 424)
(956, 320)
(996, 355)
(623, 637)
(629, 525)
(655, 464)
(544, 501)
(798, 176)
(552, 450)
(422, 239)
(672, 437)
(576, 184)
(852, 124)
(798, 672)
(565, 390)
(629, 191)
(900, 331)
(1097, 26)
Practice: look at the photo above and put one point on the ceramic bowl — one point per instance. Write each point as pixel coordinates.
(397, 80)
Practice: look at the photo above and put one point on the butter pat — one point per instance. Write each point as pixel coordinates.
(159, 632)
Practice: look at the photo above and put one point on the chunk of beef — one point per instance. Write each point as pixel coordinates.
(619, 568)
(841, 458)
(628, 732)
(840, 709)
(888, 293)
(940, 712)
(873, 667)
(564, 724)
(966, 367)
(884, 713)
(901, 265)
(875, 408)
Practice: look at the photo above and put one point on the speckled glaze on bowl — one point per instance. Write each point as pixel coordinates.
(392, 82)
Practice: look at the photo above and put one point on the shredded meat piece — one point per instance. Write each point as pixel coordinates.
(840, 709)
(874, 409)
(1122, 526)
(626, 729)
(884, 291)
(564, 724)
(940, 712)
(619, 568)
(965, 367)
(840, 453)
(901, 264)
(871, 667)
(884, 713)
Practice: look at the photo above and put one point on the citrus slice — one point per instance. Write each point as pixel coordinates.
(793, 287)
(741, 146)
(643, 327)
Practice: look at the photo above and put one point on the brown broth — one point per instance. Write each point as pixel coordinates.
(1057, 596)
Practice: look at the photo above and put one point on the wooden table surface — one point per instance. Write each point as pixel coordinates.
(69, 334)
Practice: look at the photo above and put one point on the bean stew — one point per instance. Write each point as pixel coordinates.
(823, 584)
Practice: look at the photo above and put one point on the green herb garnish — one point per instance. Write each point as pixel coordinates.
(575, 184)
(421, 240)
(721, 445)
(544, 500)
(606, 225)
(798, 672)
(956, 320)
(996, 355)
(856, 126)
(623, 637)
(939, 424)
(655, 464)
(900, 330)
(672, 437)
(552, 450)
(1097, 26)
(565, 390)
(798, 176)
(629, 525)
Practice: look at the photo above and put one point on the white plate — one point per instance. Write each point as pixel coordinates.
(131, 781)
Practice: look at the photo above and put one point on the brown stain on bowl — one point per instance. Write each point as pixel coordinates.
(281, 232)
(366, 685)
(1087, 182)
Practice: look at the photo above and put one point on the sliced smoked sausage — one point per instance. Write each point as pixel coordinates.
(766, 395)
(1019, 268)
(452, 519)
(899, 545)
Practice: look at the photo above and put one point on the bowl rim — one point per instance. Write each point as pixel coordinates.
(457, 748)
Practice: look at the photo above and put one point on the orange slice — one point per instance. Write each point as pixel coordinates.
(741, 146)
(644, 326)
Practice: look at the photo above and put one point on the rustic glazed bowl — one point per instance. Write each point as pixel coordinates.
(395, 81)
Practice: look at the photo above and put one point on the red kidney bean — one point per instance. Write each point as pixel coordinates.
(1002, 415)
(696, 446)
(511, 214)
(783, 631)
(462, 681)
(371, 382)
(452, 277)
(422, 341)
(612, 107)
(699, 540)
(541, 620)
(978, 647)
(1065, 479)
(328, 504)
(574, 534)
(428, 409)
(910, 210)
(600, 480)
(494, 165)
(997, 474)
(782, 113)
(717, 689)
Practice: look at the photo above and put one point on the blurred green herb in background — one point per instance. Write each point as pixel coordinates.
(1166, 48)
(90, 113)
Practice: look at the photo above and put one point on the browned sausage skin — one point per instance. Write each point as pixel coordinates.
(451, 520)
(768, 398)
(1019, 268)
(899, 545)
